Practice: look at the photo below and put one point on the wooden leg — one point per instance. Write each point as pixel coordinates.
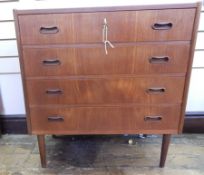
(164, 149)
(42, 150)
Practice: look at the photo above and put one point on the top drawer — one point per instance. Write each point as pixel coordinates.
(123, 26)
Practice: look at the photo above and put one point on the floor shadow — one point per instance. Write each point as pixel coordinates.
(81, 151)
(77, 151)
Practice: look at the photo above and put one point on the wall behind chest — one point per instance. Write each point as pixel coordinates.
(10, 78)
(196, 96)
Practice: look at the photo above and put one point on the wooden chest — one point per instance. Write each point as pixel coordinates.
(113, 70)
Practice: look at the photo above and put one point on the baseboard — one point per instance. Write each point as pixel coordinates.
(194, 122)
(16, 124)
(13, 124)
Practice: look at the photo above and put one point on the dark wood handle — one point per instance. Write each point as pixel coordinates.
(49, 30)
(156, 90)
(159, 59)
(162, 26)
(51, 62)
(55, 118)
(153, 118)
(54, 91)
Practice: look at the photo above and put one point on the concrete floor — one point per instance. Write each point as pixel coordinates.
(101, 155)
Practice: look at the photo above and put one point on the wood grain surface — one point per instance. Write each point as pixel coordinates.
(104, 120)
(123, 59)
(124, 26)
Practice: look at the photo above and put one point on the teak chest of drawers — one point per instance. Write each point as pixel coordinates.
(112, 70)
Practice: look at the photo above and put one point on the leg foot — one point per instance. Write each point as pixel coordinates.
(164, 149)
(42, 150)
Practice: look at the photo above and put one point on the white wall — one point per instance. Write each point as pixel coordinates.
(12, 94)
(196, 95)
(10, 79)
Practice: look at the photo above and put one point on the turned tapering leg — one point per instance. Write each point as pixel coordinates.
(42, 150)
(164, 149)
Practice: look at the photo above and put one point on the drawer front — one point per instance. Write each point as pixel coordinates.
(110, 120)
(141, 59)
(148, 25)
(147, 89)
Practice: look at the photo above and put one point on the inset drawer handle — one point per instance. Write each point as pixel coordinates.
(152, 118)
(54, 91)
(159, 59)
(156, 90)
(162, 26)
(49, 30)
(51, 62)
(55, 119)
